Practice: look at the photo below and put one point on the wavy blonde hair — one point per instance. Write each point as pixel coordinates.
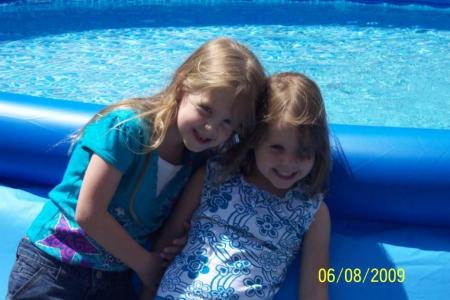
(295, 100)
(218, 63)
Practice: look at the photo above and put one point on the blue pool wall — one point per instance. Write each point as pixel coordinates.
(389, 197)
(41, 19)
(379, 173)
(435, 3)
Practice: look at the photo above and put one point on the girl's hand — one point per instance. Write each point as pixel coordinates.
(169, 252)
(151, 271)
(147, 293)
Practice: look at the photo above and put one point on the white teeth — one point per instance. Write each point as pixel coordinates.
(285, 174)
(203, 140)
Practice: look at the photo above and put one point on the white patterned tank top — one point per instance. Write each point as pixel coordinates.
(242, 240)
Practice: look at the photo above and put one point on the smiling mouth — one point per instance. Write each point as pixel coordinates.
(199, 138)
(285, 176)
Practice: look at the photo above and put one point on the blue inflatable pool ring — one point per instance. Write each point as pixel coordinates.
(389, 198)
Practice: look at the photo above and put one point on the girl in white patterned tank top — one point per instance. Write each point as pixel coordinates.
(255, 208)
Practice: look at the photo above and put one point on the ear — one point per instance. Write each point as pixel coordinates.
(180, 93)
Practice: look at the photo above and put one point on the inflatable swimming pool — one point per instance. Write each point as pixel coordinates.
(389, 198)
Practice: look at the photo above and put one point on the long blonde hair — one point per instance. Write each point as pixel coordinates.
(220, 62)
(295, 100)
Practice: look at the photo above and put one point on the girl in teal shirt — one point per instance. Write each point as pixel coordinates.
(128, 164)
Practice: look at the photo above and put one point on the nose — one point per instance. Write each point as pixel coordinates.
(290, 160)
(211, 128)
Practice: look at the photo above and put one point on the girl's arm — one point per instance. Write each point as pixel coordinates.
(98, 187)
(175, 225)
(315, 255)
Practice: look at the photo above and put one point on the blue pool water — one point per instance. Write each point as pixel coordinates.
(380, 64)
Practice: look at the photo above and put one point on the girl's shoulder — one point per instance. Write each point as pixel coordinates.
(119, 128)
(308, 202)
(121, 116)
(124, 119)
(301, 190)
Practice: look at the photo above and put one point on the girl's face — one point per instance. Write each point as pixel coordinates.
(208, 118)
(281, 159)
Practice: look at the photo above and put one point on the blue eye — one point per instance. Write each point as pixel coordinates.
(276, 147)
(205, 108)
(307, 153)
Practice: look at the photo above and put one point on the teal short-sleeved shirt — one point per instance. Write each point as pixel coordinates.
(118, 138)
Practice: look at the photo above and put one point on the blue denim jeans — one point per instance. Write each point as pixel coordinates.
(36, 275)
